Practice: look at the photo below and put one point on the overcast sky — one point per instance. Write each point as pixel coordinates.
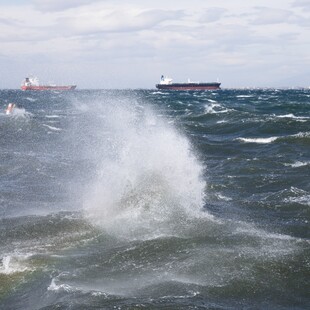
(129, 44)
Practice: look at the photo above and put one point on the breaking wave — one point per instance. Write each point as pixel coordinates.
(149, 181)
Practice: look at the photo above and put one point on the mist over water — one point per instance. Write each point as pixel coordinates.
(146, 199)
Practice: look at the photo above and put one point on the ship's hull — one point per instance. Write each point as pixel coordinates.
(48, 87)
(189, 86)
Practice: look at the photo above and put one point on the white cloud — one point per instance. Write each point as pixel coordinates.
(267, 16)
(201, 39)
(115, 21)
(59, 5)
(212, 15)
(304, 4)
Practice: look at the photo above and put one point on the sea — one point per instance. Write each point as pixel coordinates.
(147, 199)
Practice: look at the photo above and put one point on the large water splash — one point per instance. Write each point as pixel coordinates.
(148, 180)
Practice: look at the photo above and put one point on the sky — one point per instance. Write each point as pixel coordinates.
(130, 44)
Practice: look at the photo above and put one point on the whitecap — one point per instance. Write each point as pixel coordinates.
(305, 200)
(31, 99)
(158, 93)
(298, 164)
(52, 116)
(215, 108)
(222, 197)
(59, 287)
(290, 115)
(301, 135)
(52, 128)
(258, 140)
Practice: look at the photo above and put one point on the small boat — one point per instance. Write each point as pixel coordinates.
(166, 83)
(10, 108)
(32, 83)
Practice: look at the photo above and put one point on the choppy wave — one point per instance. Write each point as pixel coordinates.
(145, 200)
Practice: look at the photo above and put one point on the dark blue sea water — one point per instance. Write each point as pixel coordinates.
(140, 199)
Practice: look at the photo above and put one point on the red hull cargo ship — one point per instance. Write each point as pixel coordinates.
(166, 83)
(32, 83)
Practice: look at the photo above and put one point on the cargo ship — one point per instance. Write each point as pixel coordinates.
(166, 83)
(32, 83)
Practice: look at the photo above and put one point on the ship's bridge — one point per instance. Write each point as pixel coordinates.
(165, 80)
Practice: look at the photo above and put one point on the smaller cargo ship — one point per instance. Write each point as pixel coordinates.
(32, 83)
(166, 83)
